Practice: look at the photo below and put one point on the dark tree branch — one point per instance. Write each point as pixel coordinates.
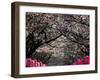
(51, 39)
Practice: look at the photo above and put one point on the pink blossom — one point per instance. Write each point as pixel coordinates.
(44, 65)
(37, 64)
(41, 64)
(78, 62)
(29, 62)
(86, 60)
(34, 63)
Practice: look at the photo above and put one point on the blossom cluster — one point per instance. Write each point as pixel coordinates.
(85, 60)
(34, 63)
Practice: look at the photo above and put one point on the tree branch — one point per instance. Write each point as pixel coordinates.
(51, 39)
